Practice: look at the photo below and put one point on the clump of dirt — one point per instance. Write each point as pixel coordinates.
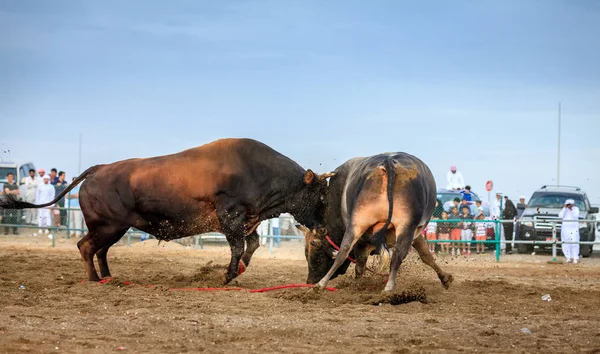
(398, 298)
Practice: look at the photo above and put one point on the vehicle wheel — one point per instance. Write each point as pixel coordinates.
(525, 249)
(586, 250)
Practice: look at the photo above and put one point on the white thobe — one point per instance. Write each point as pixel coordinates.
(569, 231)
(29, 187)
(455, 180)
(45, 193)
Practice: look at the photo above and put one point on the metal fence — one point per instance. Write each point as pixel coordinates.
(273, 230)
(498, 242)
(273, 233)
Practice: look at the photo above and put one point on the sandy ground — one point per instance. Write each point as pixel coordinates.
(485, 310)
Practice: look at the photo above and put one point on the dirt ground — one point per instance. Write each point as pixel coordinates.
(487, 309)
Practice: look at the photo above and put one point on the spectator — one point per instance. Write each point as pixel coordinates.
(455, 179)
(495, 207)
(465, 203)
(508, 213)
(439, 208)
(569, 231)
(479, 208)
(76, 216)
(443, 233)
(521, 206)
(451, 204)
(480, 233)
(466, 194)
(41, 173)
(11, 216)
(466, 234)
(455, 231)
(30, 184)
(45, 193)
(53, 176)
(60, 215)
(431, 234)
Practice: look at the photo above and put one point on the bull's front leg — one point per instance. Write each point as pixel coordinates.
(426, 257)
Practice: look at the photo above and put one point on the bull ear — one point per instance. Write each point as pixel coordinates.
(326, 175)
(309, 177)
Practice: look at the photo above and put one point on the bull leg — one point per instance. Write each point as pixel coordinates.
(362, 252)
(101, 254)
(87, 249)
(426, 257)
(401, 248)
(252, 244)
(351, 236)
(236, 244)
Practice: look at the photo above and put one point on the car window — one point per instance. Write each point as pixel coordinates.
(556, 201)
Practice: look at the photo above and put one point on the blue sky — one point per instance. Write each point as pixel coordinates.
(470, 83)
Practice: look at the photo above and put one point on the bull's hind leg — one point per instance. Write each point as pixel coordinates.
(96, 239)
(101, 254)
(351, 236)
(252, 244)
(362, 251)
(404, 239)
(421, 246)
(87, 249)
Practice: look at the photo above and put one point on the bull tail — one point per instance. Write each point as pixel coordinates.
(379, 237)
(10, 202)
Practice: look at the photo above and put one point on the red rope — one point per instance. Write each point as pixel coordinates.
(337, 248)
(261, 290)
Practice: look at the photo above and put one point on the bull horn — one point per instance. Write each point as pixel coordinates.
(326, 175)
(302, 228)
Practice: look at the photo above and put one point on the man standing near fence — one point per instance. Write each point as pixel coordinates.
(30, 184)
(11, 217)
(44, 194)
(569, 231)
(508, 213)
(76, 221)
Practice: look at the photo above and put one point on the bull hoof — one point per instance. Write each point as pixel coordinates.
(317, 289)
(446, 280)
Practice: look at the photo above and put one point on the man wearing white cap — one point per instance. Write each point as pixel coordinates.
(45, 193)
(455, 179)
(569, 231)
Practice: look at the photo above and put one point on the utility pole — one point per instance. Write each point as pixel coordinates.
(558, 159)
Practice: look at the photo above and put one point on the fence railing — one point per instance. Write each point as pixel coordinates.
(274, 239)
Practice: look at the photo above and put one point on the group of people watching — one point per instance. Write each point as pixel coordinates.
(41, 189)
(461, 214)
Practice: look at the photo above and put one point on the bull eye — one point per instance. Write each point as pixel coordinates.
(313, 243)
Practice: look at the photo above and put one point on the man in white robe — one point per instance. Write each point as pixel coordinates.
(569, 231)
(29, 187)
(45, 193)
(455, 179)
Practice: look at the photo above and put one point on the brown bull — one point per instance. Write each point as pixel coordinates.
(376, 202)
(227, 186)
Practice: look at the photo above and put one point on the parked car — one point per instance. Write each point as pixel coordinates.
(543, 208)
(18, 170)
